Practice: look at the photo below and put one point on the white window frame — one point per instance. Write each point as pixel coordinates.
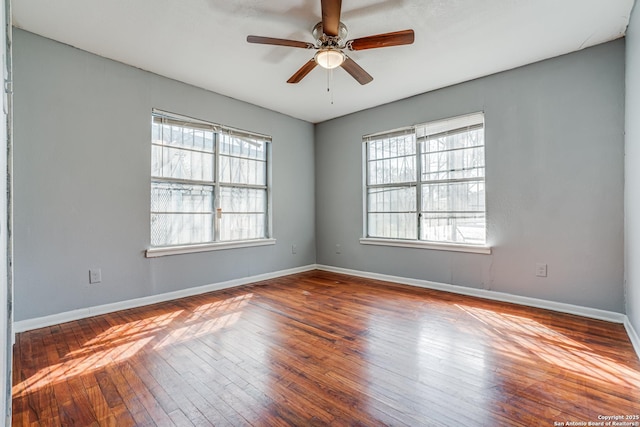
(217, 184)
(419, 133)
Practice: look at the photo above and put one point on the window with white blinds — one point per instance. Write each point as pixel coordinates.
(427, 182)
(209, 183)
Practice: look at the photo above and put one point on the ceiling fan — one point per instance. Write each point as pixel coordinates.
(330, 35)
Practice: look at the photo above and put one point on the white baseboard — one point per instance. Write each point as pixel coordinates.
(633, 335)
(593, 313)
(68, 316)
(54, 319)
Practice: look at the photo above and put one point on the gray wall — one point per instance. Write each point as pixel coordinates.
(632, 171)
(554, 155)
(554, 133)
(6, 327)
(82, 166)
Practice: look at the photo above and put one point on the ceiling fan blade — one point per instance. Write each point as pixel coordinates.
(303, 71)
(396, 38)
(331, 17)
(356, 71)
(279, 42)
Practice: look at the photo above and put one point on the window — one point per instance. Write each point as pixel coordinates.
(426, 183)
(209, 183)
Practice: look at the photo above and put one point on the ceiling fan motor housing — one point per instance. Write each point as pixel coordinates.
(328, 41)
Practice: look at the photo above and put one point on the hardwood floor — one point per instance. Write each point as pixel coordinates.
(320, 348)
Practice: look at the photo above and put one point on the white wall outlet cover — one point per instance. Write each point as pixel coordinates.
(541, 270)
(95, 275)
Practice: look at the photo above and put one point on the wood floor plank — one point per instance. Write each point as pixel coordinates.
(186, 395)
(180, 419)
(321, 348)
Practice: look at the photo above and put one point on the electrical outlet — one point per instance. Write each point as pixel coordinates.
(541, 270)
(338, 249)
(95, 275)
(294, 249)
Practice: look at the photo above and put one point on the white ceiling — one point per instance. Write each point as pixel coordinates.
(203, 42)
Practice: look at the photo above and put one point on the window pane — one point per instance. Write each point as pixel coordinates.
(235, 170)
(199, 140)
(392, 225)
(392, 171)
(458, 139)
(169, 162)
(180, 229)
(182, 136)
(181, 214)
(241, 200)
(456, 197)
(243, 213)
(156, 132)
(455, 228)
(392, 199)
(392, 160)
(456, 164)
(169, 197)
(241, 146)
(384, 148)
(242, 226)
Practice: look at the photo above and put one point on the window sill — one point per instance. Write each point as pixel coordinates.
(477, 249)
(188, 249)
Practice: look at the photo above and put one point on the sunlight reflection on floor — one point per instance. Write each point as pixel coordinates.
(125, 340)
(527, 337)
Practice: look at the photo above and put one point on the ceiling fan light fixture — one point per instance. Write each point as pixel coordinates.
(329, 58)
(330, 35)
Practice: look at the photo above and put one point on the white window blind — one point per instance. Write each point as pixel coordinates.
(427, 182)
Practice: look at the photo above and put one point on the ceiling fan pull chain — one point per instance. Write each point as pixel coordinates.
(329, 81)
